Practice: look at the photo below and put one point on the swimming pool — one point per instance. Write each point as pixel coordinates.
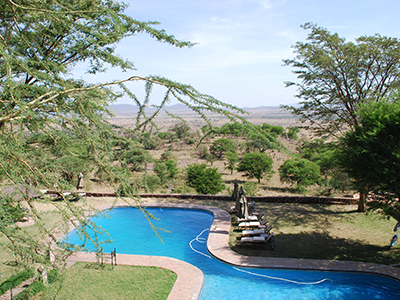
(186, 240)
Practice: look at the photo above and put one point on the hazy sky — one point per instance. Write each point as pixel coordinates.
(241, 43)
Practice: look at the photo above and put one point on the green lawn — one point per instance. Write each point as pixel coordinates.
(325, 232)
(90, 281)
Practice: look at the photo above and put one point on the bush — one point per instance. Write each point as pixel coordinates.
(301, 172)
(53, 276)
(166, 170)
(151, 183)
(15, 280)
(250, 188)
(35, 288)
(221, 146)
(204, 180)
(256, 165)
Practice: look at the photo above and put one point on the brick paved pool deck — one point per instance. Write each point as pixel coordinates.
(190, 279)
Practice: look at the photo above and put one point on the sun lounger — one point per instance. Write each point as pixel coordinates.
(263, 224)
(251, 206)
(248, 219)
(258, 214)
(263, 238)
(268, 229)
(252, 224)
(249, 224)
(252, 232)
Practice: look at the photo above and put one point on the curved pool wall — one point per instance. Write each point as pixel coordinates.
(223, 280)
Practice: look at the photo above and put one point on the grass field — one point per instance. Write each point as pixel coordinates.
(90, 281)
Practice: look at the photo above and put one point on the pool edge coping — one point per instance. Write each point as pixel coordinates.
(218, 246)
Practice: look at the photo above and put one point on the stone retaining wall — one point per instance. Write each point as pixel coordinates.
(270, 199)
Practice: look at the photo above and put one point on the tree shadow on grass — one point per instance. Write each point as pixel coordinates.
(283, 190)
(314, 245)
(313, 216)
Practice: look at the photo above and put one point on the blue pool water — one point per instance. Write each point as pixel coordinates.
(186, 240)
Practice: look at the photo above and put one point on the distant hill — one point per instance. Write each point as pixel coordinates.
(273, 115)
(129, 109)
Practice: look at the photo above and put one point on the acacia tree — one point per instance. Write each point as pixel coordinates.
(256, 165)
(204, 180)
(371, 153)
(221, 146)
(301, 172)
(232, 158)
(336, 76)
(40, 44)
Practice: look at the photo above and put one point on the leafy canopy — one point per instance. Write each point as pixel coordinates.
(335, 76)
(204, 180)
(256, 165)
(371, 153)
(300, 171)
(41, 43)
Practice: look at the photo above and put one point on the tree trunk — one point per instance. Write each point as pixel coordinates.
(362, 202)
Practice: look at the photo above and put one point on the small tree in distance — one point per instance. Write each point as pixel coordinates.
(204, 180)
(301, 172)
(256, 165)
(221, 146)
(232, 157)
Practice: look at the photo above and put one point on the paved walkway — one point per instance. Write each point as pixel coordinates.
(190, 279)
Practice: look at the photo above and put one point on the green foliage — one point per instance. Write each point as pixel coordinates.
(336, 76)
(323, 154)
(221, 146)
(15, 280)
(53, 276)
(70, 166)
(260, 138)
(274, 129)
(167, 155)
(10, 211)
(149, 142)
(292, 133)
(35, 288)
(151, 183)
(232, 157)
(371, 153)
(235, 129)
(204, 180)
(181, 129)
(169, 136)
(48, 117)
(136, 158)
(256, 165)
(261, 142)
(300, 171)
(166, 170)
(250, 188)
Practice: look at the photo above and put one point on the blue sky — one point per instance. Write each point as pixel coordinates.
(241, 43)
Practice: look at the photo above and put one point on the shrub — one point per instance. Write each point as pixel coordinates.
(35, 288)
(15, 280)
(151, 183)
(256, 165)
(250, 188)
(221, 146)
(53, 276)
(204, 180)
(301, 172)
